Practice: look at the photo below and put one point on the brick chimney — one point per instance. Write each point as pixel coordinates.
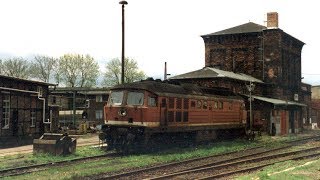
(272, 20)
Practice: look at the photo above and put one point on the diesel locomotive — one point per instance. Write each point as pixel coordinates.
(139, 113)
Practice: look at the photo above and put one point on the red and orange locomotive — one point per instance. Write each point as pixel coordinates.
(137, 113)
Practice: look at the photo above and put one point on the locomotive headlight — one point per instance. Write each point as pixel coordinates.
(122, 112)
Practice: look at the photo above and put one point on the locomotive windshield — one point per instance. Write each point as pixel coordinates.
(116, 98)
(135, 98)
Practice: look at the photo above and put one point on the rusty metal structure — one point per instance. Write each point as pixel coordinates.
(56, 144)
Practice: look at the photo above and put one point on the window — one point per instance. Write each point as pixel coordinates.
(6, 110)
(220, 105)
(185, 103)
(171, 103)
(210, 105)
(179, 103)
(215, 105)
(205, 105)
(98, 98)
(193, 104)
(99, 114)
(152, 101)
(163, 102)
(116, 98)
(135, 98)
(199, 104)
(33, 117)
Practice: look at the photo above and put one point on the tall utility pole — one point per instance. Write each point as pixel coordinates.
(250, 89)
(122, 54)
(165, 71)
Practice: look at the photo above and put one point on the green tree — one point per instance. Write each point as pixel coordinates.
(16, 67)
(76, 70)
(132, 73)
(42, 67)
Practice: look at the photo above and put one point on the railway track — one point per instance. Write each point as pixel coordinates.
(165, 171)
(40, 167)
(186, 165)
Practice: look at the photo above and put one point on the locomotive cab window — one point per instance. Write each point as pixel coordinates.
(152, 101)
(135, 98)
(116, 98)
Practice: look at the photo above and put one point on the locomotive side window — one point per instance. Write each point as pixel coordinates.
(220, 105)
(179, 103)
(116, 98)
(171, 103)
(135, 98)
(185, 103)
(199, 104)
(163, 102)
(193, 104)
(205, 105)
(215, 105)
(210, 105)
(152, 101)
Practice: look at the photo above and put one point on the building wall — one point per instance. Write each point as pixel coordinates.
(86, 102)
(25, 108)
(272, 56)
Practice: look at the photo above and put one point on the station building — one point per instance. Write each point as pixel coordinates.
(23, 107)
(268, 59)
(78, 105)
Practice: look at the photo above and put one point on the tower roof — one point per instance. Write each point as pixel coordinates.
(244, 28)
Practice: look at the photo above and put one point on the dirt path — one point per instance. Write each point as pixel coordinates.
(81, 141)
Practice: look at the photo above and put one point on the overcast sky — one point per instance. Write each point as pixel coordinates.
(157, 31)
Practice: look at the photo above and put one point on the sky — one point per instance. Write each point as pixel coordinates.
(156, 31)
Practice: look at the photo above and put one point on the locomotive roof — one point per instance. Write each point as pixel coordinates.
(173, 87)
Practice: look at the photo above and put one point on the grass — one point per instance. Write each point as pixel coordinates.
(133, 161)
(30, 159)
(306, 169)
(77, 171)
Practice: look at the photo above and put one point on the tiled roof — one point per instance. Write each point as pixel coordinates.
(208, 72)
(244, 28)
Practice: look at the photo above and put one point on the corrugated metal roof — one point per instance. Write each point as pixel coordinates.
(278, 101)
(244, 28)
(209, 72)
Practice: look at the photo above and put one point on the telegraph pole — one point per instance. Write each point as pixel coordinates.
(123, 3)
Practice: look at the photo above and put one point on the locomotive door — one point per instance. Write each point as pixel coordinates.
(164, 112)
